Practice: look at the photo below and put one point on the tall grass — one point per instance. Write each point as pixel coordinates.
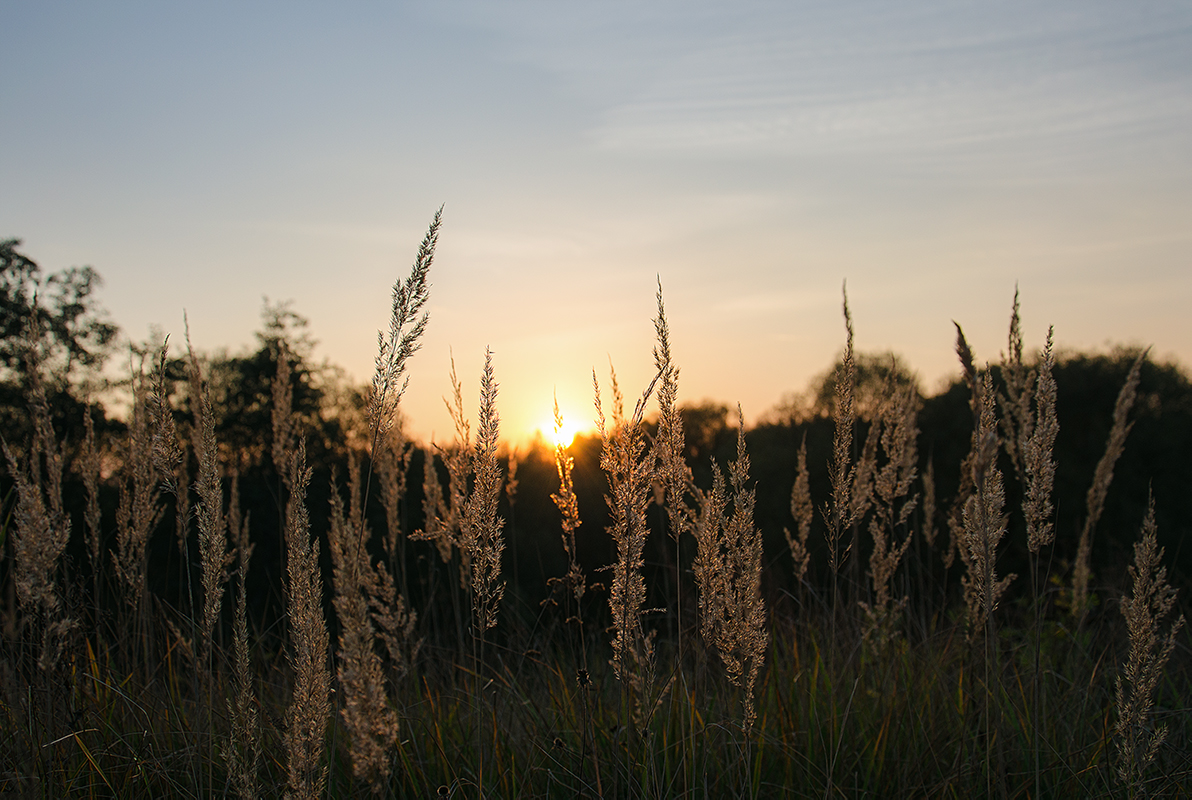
(410, 664)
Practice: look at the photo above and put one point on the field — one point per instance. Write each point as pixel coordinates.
(234, 593)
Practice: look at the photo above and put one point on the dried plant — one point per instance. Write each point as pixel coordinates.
(41, 525)
(392, 459)
(370, 721)
(213, 542)
(674, 476)
(1152, 600)
(434, 510)
(568, 505)
(482, 539)
(405, 330)
(629, 471)
(728, 571)
(243, 752)
(803, 511)
(955, 519)
(139, 509)
(1038, 461)
(984, 522)
(1017, 420)
(893, 507)
(395, 623)
(842, 470)
(89, 467)
(1102, 478)
(310, 703)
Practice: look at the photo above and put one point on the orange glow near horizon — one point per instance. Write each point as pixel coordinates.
(563, 434)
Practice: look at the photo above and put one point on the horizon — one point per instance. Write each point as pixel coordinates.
(751, 159)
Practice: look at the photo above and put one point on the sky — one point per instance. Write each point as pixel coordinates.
(751, 157)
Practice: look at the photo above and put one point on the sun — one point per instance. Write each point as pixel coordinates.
(559, 428)
(561, 436)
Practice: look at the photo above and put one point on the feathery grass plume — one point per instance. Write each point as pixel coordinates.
(370, 721)
(984, 521)
(213, 542)
(568, 505)
(139, 509)
(392, 459)
(459, 466)
(1102, 477)
(41, 525)
(283, 418)
(1152, 600)
(803, 511)
(243, 752)
(629, 470)
(482, 527)
(1038, 462)
(434, 510)
(169, 460)
(89, 467)
(728, 570)
(394, 622)
(310, 704)
(405, 330)
(893, 507)
(1017, 420)
(842, 470)
(965, 490)
(674, 476)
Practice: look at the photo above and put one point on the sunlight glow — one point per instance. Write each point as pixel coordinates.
(563, 435)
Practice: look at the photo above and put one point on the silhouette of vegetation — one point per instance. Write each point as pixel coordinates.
(898, 711)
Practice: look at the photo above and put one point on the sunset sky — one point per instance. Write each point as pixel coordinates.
(751, 156)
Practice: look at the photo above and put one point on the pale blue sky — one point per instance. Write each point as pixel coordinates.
(752, 155)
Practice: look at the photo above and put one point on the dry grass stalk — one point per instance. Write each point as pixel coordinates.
(310, 704)
(842, 471)
(444, 516)
(139, 511)
(89, 467)
(482, 528)
(169, 459)
(568, 505)
(370, 721)
(283, 418)
(394, 622)
(1102, 478)
(405, 330)
(434, 510)
(803, 511)
(213, 542)
(891, 487)
(965, 490)
(392, 459)
(984, 521)
(1038, 462)
(41, 525)
(673, 475)
(728, 570)
(1030, 429)
(1017, 419)
(243, 752)
(1151, 602)
(624, 460)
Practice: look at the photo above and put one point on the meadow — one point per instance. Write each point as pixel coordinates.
(234, 593)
